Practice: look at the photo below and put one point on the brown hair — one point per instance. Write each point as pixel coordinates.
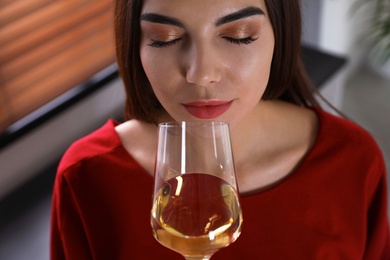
(288, 78)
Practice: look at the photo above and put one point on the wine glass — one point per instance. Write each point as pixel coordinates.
(196, 210)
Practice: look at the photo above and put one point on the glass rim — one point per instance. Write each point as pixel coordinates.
(193, 123)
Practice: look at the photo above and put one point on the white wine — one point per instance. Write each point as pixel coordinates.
(196, 214)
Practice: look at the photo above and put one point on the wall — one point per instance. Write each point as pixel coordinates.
(311, 14)
(26, 157)
(332, 26)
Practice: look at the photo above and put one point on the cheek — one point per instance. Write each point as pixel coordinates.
(254, 70)
(156, 68)
(160, 60)
(161, 74)
(260, 67)
(149, 64)
(251, 64)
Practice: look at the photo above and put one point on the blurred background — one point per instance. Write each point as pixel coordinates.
(58, 82)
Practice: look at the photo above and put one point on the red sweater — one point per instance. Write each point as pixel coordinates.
(334, 206)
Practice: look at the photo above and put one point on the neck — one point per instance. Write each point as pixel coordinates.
(251, 136)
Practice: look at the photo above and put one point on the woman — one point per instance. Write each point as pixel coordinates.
(313, 186)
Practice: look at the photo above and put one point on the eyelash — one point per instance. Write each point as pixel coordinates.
(161, 44)
(247, 40)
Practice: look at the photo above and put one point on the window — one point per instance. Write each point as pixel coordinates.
(48, 47)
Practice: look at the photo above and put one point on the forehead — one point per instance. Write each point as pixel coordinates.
(198, 9)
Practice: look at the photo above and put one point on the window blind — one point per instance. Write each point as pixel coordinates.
(48, 47)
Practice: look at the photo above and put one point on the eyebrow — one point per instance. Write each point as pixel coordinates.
(158, 18)
(240, 14)
(243, 13)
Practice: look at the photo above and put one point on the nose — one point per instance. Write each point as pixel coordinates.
(203, 66)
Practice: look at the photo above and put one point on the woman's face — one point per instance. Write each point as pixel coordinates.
(207, 60)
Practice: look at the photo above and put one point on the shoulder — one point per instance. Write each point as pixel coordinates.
(349, 144)
(100, 142)
(349, 153)
(135, 134)
(344, 130)
(140, 140)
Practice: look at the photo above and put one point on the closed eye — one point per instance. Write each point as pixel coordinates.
(247, 40)
(162, 44)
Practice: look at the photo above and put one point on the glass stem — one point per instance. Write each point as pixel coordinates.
(197, 258)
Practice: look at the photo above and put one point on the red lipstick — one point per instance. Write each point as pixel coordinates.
(207, 109)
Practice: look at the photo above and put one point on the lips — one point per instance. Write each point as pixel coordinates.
(207, 109)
